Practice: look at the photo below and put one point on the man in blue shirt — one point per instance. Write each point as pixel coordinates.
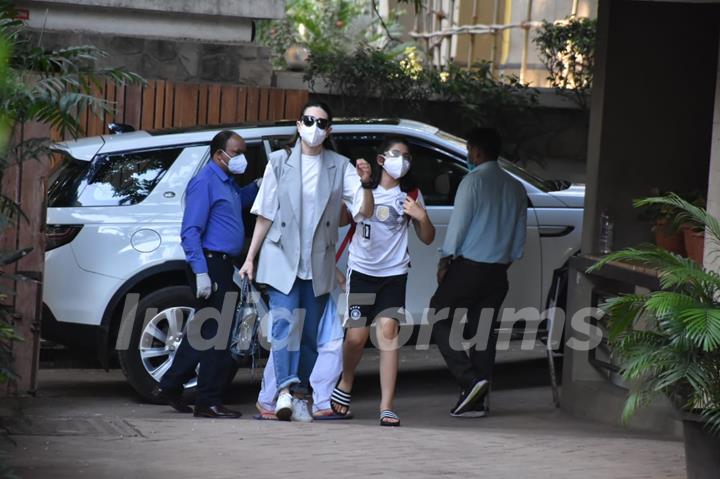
(485, 235)
(212, 237)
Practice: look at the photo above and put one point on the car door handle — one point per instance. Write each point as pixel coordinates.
(555, 231)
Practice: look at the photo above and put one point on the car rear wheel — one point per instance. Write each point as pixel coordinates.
(153, 343)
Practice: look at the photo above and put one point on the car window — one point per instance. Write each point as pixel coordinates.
(255, 155)
(65, 177)
(256, 158)
(120, 179)
(359, 145)
(437, 173)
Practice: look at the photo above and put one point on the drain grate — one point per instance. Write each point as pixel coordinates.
(69, 426)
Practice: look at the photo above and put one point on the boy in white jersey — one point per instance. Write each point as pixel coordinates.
(378, 264)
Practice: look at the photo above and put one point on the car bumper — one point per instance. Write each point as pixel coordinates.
(73, 295)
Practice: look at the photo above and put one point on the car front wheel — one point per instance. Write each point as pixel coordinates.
(157, 331)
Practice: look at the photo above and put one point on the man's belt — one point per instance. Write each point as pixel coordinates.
(218, 254)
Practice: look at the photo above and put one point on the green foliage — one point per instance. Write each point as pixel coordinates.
(667, 210)
(567, 50)
(368, 73)
(52, 86)
(324, 26)
(49, 87)
(668, 341)
(399, 74)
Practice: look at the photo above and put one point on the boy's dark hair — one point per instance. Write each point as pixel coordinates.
(219, 141)
(486, 139)
(407, 182)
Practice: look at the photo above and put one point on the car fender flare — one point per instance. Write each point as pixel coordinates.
(108, 325)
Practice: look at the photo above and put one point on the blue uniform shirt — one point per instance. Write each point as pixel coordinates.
(489, 218)
(213, 215)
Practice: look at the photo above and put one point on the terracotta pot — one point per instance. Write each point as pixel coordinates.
(669, 239)
(694, 244)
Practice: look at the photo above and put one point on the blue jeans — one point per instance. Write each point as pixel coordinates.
(295, 321)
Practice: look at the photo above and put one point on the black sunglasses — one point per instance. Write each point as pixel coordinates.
(309, 120)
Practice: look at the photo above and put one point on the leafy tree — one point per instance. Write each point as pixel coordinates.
(567, 49)
(324, 26)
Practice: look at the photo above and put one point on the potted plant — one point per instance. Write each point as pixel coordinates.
(668, 341)
(694, 241)
(694, 235)
(668, 235)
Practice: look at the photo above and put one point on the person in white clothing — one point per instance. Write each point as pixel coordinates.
(378, 265)
(298, 211)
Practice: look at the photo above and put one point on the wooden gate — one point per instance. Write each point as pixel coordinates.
(166, 104)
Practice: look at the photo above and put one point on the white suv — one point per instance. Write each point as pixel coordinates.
(116, 205)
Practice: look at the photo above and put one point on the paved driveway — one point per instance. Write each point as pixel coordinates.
(88, 423)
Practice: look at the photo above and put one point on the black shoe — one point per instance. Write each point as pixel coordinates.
(173, 399)
(479, 409)
(216, 412)
(469, 397)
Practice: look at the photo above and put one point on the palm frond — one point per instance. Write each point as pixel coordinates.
(712, 419)
(10, 212)
(703, 326)
(668, 303)
(637, 399)
(120, 76)
(31, 149)
(673, 270)
(622, 312)
(689, 213)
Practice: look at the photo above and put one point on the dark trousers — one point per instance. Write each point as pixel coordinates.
(473, 286)
(216, 364)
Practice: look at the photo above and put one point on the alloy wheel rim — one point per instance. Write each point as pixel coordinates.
(160, 339)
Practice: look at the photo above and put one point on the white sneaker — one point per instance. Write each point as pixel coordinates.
(300, 411)
(284, 406)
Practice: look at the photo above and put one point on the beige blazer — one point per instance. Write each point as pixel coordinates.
(280, 252)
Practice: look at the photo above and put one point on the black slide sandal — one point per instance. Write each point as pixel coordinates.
(340, 399)
(389, 419)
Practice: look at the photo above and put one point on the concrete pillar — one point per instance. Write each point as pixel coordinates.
(712, 261)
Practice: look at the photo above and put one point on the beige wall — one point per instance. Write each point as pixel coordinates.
(504, 49)
(227, 21)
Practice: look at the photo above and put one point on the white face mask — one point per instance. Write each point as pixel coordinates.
(396, 166)
(236, 164)
(312, 135)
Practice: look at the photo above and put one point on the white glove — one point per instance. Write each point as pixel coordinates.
(203, 285)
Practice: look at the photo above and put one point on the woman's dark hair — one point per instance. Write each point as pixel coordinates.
(329, 143)
(407, 182)
(219, 141)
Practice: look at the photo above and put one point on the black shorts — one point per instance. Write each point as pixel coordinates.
(372, 296)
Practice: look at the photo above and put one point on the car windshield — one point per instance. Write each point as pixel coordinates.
(509, 166)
